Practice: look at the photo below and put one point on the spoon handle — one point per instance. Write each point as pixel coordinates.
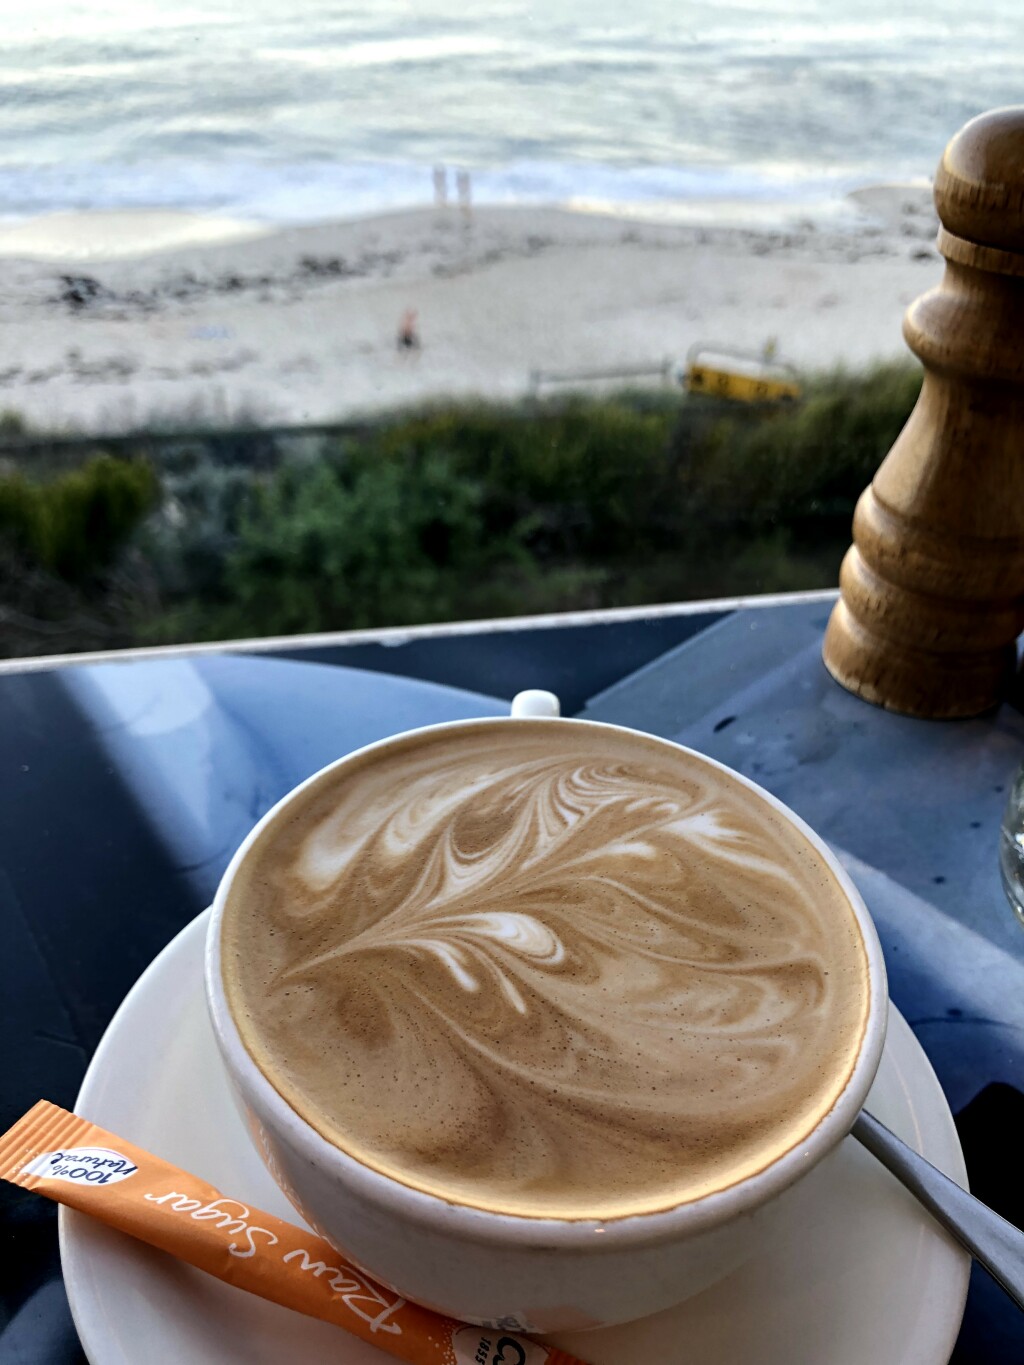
(991, 1240)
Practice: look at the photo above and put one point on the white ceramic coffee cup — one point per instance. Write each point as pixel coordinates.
(500, 1270)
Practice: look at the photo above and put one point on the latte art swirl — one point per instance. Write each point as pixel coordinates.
(546, 981)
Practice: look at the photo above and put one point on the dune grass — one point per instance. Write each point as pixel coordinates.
(457, 511)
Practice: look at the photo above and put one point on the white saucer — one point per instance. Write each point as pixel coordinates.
(864, 1275)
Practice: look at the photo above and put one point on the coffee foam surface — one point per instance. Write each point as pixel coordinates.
(546, 969)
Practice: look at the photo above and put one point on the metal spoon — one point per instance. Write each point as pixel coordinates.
(991, 1240)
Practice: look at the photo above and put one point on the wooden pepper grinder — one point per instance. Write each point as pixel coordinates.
(932, 589)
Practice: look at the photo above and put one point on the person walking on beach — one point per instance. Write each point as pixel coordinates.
(464, 190)
(440, 187)
(408, 334)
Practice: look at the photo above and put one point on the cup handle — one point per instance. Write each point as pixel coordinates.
(536, 704)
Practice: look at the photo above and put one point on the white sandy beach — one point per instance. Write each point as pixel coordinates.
(112, 321)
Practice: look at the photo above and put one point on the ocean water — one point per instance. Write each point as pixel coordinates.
(326, 108)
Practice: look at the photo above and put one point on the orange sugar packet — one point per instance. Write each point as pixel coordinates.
(74, 1162)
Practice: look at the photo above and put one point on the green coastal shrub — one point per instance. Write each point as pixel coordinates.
(590, 474)
(74, 525)
(799, 465)
(325, 547)
(458, 511)
(188, 543)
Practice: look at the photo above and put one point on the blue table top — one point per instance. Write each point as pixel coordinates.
(127, 786)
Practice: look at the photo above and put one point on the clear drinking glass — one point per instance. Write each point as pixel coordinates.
(1011, 846)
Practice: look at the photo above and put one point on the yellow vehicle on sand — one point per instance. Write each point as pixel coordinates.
(742, 376)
